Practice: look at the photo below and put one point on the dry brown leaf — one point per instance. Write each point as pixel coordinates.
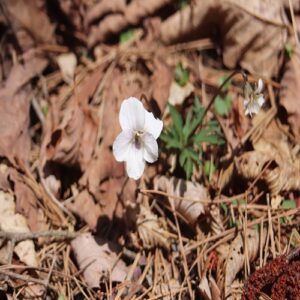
(30, 22)
(290, 89)
(67, 63)
(4, 182)
(98, 259)
(152, 230)
(85, 207)
(74, 11)
(190, 210)
(73, 142)
(126, 15)
(274, 152)
(236, 257)
(14, 108)
(13, 222)
(26, 200)
(252, 42)
(71, 131)
(161, 80)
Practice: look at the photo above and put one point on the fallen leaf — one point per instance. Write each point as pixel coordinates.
(273, 152)
(152, 230)
(26, 201)
(85, 207)
(98, 259)
(236, 257)
(178, 93)
(290, 88)
(74, 11)
(192, 207)
(161, 79)
(115, 17)
(71, 131)
(29, 16)
(67, 63)
(15, 106)
(73, 142)
(14, 222)
(252, 42)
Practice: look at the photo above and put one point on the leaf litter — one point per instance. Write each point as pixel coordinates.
(216, 216)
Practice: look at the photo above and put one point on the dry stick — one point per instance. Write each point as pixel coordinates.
(271, 227)
(21, 236)
(155, 192)
(185, 268)
(232, 230)
(129, 275)
(294, 22)
(27, 278)
(206, 43)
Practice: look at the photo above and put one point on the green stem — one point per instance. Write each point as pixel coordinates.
(211, 102)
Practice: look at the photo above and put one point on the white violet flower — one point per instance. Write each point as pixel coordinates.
(254, 98)
(137, 141)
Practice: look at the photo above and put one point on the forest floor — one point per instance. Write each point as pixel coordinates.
(215, 215)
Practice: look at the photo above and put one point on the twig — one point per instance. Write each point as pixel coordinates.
(27, 278)
(232, 230)
(21, 236)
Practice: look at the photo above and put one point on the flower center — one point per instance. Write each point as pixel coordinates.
(138, 138)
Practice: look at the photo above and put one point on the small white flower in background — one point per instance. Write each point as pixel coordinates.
(137, 141)
(254, 98)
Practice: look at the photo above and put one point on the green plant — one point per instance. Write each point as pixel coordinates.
(185, 139)
(287, 204)
(289, 50)
(222, 104)
(181, 75)
(182, 3)
(126, 36)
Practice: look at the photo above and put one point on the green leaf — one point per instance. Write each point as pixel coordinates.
(126, 36)
(209, 168)
(225, 208)
(289, 50)
(239, 201)
(288, 204)
(170, 141)
(183, 157)
(188, 168)
(181, 75)
(206, 136)
(223, 105)
(61, 297)
(222, 80)
(176, 118)
(187, 126)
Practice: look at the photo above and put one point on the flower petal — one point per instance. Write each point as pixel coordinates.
(248, 91)
(261, 100)
(122, 145)
(150, 148)
(135, 163)
(260, 86)
(152, 125)
(132, 114)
